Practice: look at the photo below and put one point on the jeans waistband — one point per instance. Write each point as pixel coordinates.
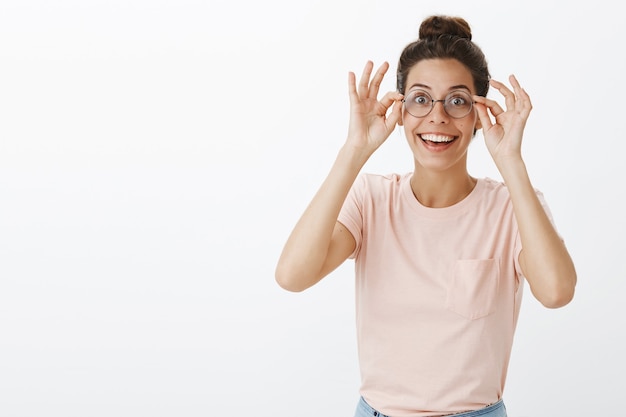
(496, 409)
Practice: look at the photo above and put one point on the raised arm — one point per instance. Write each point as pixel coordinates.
(318, 243)
(544, 259)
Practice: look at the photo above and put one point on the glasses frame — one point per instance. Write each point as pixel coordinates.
(443, 103)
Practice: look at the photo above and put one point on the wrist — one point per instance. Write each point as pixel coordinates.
(354, 155)
(512, 168)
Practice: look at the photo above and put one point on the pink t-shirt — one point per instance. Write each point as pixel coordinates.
(438, 293)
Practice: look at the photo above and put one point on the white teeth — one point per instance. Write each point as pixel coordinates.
(437, 138)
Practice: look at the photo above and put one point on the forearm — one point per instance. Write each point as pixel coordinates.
(306, 250)
(545, 261)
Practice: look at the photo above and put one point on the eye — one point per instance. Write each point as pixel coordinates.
(457, 101)
(421, 98)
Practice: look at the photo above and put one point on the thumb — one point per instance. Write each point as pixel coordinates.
(395, 117)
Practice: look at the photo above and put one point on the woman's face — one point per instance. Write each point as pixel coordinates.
(439, 141)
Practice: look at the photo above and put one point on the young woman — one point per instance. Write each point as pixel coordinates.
(440, 256)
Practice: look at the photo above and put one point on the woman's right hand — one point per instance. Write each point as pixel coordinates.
(370, 125)
(319, 243)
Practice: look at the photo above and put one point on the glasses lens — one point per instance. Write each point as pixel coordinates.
(458, 104)
(418, 103)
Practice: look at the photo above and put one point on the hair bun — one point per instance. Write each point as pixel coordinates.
(435, 26)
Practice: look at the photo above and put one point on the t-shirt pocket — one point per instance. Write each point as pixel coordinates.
(473, 287)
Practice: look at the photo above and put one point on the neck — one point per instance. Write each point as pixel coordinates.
(438, 190)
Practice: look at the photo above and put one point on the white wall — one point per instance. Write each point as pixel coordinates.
(154, 156)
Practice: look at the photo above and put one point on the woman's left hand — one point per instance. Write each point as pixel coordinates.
(504, 136)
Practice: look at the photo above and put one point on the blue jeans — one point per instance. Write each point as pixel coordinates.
(497, 409)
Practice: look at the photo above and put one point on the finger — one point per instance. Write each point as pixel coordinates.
(377, 80)
(492, 105)
(483, 115)
(509, 96)
(394, 116)
(352, 87)
(390, 98)
(523, 98)
(365, 79)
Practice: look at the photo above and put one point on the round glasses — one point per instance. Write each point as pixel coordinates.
(457, 104)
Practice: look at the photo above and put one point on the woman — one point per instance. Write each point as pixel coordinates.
(440, 256)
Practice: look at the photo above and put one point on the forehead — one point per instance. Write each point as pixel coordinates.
(440, 75)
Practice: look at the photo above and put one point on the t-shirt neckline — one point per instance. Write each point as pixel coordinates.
(440, 212)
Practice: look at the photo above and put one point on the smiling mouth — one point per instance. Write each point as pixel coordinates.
(437, 139)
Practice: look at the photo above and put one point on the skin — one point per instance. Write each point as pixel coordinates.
(319, 243)
(440, 171)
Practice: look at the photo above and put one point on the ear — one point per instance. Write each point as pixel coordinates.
(478, 125)
(400, 121)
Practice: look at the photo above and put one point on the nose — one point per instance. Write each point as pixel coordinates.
(438, 114)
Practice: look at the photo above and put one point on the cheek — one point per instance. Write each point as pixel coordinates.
(409, 123)
(470, 125)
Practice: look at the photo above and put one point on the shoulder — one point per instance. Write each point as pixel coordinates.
(495, 193)
(498, 187)
(381, 182)
(377, 189)
(492, 188)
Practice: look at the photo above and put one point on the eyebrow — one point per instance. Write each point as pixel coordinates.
(454, 87)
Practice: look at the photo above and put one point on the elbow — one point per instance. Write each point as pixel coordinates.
(288, 280)
(288, 285)
(558, 300)
(560, 295)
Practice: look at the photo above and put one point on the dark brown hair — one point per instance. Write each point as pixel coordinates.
(445, 37)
